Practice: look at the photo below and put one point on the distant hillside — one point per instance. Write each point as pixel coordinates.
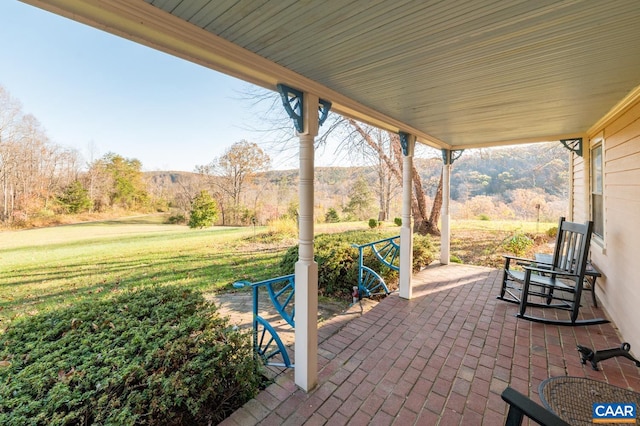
(499, 174)
(496, 171)
(477, 172)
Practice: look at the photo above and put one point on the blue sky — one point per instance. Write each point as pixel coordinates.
(90, 88)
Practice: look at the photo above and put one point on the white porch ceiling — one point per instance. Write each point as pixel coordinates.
(457, 74)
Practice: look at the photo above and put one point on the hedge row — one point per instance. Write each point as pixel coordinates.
(154, 356)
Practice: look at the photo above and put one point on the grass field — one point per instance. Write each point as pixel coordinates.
(479, 242)
(502, 225)
(44, 268)
(41, 269)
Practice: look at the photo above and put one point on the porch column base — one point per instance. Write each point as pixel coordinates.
(406, 262)
(306, 330)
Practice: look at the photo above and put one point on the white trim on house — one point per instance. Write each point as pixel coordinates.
(620, 108)
(596, 239)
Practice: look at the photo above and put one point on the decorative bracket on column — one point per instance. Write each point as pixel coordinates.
(573, 145)
(449, 155)
(293, 101)
(404, 142)
(323, 108)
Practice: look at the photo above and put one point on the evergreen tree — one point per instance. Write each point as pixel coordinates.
(331, 216)
(75, 198)
(204, 211)
(360, 199)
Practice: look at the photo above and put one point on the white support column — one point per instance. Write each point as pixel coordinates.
(406, 232)
(306, 269)
(445, 232)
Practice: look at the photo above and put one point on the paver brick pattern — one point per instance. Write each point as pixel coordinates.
(441, 358)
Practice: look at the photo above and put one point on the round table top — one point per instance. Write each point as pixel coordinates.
(572, 398)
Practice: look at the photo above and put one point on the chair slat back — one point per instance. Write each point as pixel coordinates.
(572, 247)
(556, 252)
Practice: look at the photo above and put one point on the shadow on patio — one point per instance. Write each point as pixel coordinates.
(443, 357)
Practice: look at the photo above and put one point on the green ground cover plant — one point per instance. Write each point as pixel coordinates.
(159, 355)
(338, 259)
(518, 243)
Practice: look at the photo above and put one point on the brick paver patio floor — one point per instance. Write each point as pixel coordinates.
(441, 358)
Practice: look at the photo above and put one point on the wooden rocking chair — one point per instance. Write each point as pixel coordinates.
(560, 282)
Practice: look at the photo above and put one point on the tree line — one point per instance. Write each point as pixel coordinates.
(41, 179)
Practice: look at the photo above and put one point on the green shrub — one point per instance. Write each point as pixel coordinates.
(518, 243)
(177, 219)
(397, 221)
(484, 217)
(204, 211)
(284, 227)
(455, 259)
(338, 260)
(155, 356)
(331, 216)
(552, 232)
(75, 198)
(423, 251)
(373, 223)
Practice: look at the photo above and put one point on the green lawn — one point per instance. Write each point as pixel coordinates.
(41, 269)
(501, 225)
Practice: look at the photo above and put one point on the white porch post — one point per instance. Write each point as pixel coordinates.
(308, 113)
(445, 233)
(406, 234)
(306, 270)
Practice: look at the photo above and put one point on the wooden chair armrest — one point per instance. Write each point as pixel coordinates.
(550, 271)
(519, 259)
(520, 405)
(522, 261)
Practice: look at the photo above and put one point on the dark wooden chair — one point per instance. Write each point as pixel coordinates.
(557, 285)
(512, 279)
(521, 406)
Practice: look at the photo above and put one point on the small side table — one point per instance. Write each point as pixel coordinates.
(572, 398)
(591, 274)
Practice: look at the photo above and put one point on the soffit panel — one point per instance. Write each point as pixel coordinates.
(466, 73)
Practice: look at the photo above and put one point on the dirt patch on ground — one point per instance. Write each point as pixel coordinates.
(238, 307)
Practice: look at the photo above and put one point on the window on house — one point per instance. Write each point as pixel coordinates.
(597, 210)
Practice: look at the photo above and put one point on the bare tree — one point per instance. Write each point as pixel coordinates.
(388, 186)
(10, 112)
(232, 171)
(32, 169)
(425, 222)
(356, 139)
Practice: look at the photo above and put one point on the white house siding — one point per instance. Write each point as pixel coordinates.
(617, 257)
(579, 211)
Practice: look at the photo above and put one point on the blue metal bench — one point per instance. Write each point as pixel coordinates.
(266, 341)
(387, 251)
